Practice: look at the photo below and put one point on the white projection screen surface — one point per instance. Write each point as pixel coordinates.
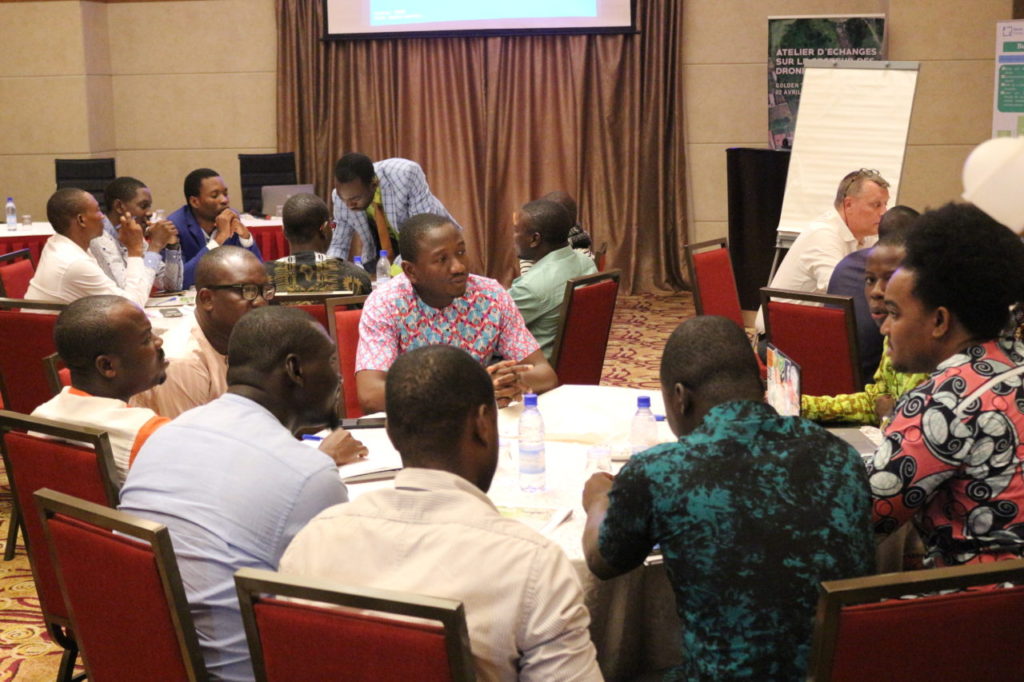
(853, 114)
(354, 19)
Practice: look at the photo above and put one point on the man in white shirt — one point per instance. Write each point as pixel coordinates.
(437, 533)
(68, 271)
(851, 225)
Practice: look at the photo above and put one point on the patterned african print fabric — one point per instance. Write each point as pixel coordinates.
(483, 322)
(951, 458)
(312, 271)
(751, 510)
(860, 407)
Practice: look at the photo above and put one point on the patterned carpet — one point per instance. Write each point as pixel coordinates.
(641, 326)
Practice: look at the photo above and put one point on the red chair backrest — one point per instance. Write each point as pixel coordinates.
(346, 326)
(15, 277)
(817, 339)
(716, 285)
(270, 239)
(318, 311)
(584, 340)
(873, 641)
(120, 611)
(363, 646)
(35, 462)
(25, 339)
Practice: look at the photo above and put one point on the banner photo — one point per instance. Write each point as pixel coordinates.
(1008, 101)
(791, 40)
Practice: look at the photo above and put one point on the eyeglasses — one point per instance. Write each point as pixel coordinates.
(249, 292)
(860, 174)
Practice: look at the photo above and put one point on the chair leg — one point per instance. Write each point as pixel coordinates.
(12, 533)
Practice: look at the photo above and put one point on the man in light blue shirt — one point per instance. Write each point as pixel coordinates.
(229, 479)
(541, 233)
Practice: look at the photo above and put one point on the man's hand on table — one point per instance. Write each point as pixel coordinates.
(343, 448)
(508, 383)
(596, 487)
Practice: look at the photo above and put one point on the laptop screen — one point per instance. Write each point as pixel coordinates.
(783, 383)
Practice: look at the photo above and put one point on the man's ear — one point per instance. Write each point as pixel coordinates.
(107, 365)
(193, 202)
(482, 429)
(204, 299)
(942, 321)
(682, 399)
(409, 268)
(535, 240)
(293, 369)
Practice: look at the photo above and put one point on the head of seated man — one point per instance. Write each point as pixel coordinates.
(950, 458)
(523, 603)
(752, 510)
(861, 200)
(578, 237)
(434, 259)
(207, 196)
(128, 198)
(540, 227)
(886, 257)
(75, 214)
(230, 281)
(307, 223)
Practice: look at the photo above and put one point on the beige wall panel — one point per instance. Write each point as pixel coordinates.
(100, 98)
(708, 185)
(953, 103)
(931, 175)
(940, 29)
(722, 102)
(736, 31)
(200, 36)
(710, 229)
(47, 42)
(31, 186)
(48, 115)
(97, 38)
(164, 171)
(199, 111)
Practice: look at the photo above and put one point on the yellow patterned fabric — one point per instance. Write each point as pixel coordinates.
(860, 407)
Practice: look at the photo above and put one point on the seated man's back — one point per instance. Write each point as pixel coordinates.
(437, 533)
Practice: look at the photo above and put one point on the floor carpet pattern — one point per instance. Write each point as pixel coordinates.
(640, 328)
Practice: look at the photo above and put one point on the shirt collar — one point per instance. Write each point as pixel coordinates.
(437, 480)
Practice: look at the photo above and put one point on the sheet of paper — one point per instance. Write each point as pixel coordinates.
(382, 457)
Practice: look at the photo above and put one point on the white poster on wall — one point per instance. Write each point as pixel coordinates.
(1008, 96)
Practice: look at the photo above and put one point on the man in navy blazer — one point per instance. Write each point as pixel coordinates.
(207, 221)
(396, 187)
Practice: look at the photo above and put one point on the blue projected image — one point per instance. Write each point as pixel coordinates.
(391, 12)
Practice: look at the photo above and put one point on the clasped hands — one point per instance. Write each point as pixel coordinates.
(509, 386)
(134, 238)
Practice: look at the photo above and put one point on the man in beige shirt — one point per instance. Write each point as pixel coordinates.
(230, 281)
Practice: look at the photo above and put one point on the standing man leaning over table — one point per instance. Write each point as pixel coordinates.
(207, 221)
(752, 511)
(67, 271)
(437, 533)
(372, 200)
(540, 230)
(436, 300)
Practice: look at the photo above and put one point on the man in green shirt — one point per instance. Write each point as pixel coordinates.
(541, 233)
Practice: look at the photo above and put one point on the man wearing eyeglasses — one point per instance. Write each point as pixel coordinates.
(851, 224)
(230, 281)
(372, 199)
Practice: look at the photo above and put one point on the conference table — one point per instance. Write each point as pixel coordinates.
(634, 624)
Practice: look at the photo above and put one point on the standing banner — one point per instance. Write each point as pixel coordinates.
(791, 40)
(1008, 100)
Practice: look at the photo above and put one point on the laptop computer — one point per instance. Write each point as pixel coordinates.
(276, 195)
(783, 382)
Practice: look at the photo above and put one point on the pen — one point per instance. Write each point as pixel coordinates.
(311, 436)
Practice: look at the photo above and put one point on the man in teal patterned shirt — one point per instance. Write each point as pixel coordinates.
(751, 509)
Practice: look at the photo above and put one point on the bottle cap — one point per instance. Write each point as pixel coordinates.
(643, 402)
(383, 253)
(530, 400)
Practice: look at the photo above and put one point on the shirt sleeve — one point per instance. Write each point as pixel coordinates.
(341, 242)
(85, 278)
(421, 199)
(515, 341)
(821, 255)
(378, 335)
(626, 536)
(172, 273)
(554, 624)
(530, 305)
(321, 490)
(108, 257)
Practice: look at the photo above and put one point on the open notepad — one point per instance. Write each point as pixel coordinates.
(382, 462)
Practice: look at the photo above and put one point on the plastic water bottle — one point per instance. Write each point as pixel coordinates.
(383, 268)
(12, 214)
(531, 446)
(643, 433)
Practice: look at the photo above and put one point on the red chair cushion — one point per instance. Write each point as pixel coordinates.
(318, 311)
(270, 239)
(585, 339)
(815, 338)
(37, 462)
(346, 324)
(121, 616)
(974, 635)
(16, 277)
(25, 339)
(363, 647)
(717, 284)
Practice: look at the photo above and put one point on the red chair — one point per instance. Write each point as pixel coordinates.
(288, 639)
(80, 463)
(313, 302)
(601, 257)
(16, 272)
(821, 338)
(270, 239)
(584, 323)
(57, 376)
(968, 635)
(714, 284)
(123, 591)
(343, 315)
(25, 339)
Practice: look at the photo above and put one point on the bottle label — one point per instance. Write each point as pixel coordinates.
(531, 458)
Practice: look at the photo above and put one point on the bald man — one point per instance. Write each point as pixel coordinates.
(67, 271)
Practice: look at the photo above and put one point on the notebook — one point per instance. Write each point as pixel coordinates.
(783, 383)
